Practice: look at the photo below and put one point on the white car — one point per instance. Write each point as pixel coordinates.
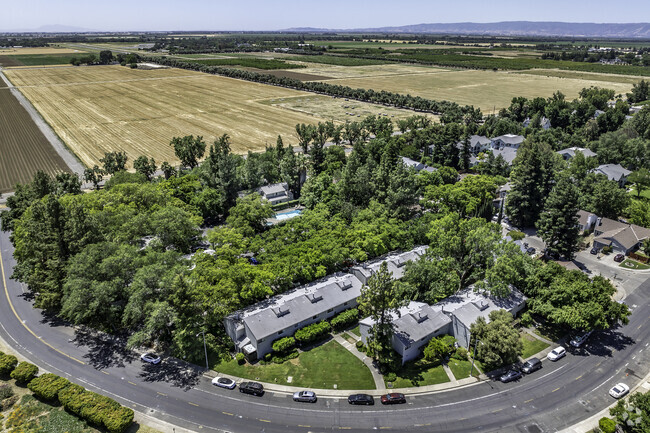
(556, 353)
(619, 390)
(150, 357)
(224, 382)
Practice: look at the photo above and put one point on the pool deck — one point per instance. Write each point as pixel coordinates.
(273, 221)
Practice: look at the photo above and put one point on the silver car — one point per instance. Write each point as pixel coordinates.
(305, 396)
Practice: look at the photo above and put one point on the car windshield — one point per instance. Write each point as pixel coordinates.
(224, 380)
(618, 389)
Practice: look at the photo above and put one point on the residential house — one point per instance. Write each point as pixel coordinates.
(586, 220)
(417, 166)
(255, 329)
(570, 152)
(614, 172)
(507, 140)
(394, 261)
(598, 113)
(477, 144)
(502, 193)
(621, 237)
(507, 153)
(276, 193)
(543, 122)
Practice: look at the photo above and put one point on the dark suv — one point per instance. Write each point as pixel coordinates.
(533, 364)
(251, 388)
(361, 399)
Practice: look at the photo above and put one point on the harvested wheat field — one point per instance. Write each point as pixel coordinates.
(484, 89)
(37, 50)
(106, 108)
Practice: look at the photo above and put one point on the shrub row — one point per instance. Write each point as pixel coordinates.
(97, 409)
(313, 332)
(284, 344)
(345, 319)
(24, 373)
(7, 364)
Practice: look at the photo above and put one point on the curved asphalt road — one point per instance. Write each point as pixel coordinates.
(555, 397)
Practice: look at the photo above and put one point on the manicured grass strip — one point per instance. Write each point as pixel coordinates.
(248, 62)
(531, 345)
(460, 368)
(356, 331)
(420, 373)
(633, 264)
(321, 367)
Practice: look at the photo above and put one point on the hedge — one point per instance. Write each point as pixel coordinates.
(312, 332)
(7, 364)
(284, 344)
(94, 408)
(25, 372)
(47, 386)
(345, 319)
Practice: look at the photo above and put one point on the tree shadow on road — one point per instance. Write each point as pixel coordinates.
(173, 371)
(604, 343)
(104, 350)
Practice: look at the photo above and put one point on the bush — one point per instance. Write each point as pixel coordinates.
(47, 386)
(119, 420)
(8, 402)
(312, 332)
(240, 358)
(390, 377)
(7, 364)
(439, 348)
(359, 345)
(460, 354)
(345, 319)
(267, 357)
(284, 344)
(516, 235)
(607, 249)
(5, 391)
(607, 425)
(526, 319)
(280, 358)
(25, 372)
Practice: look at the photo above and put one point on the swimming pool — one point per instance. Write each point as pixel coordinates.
(287, 215)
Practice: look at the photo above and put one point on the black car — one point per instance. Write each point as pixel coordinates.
(364, 399)
(251, 388)
(511, 375)
(594, 250)
(533, 364)
(531, 250)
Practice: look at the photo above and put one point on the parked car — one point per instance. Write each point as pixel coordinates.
(393, 398)
(531, 251)
(150, 358)
(251, 388)
(223, 382)
(619, 390)
(580, 339)
(306, 396)
(556, 353)
(364, 399)
(533, 364)
(619, 257)
(512, 374)
(594, 250)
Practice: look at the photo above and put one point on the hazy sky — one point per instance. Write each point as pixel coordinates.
(123, 15)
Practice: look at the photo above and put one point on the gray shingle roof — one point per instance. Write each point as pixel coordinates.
(287, 310)
(276, 188)
(613, 171)
(571, 152)
(510, 139)
(421, 323)
(508, 153)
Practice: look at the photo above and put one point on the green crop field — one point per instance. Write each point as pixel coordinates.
(338, 60)
(45, 59)
(249, 62)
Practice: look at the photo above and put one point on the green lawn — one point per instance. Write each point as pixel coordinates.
(551, 333)
(321, 367)
(633, 264)
(531, 345)
(46, 59)
(420, 373)
(461, 368)
(356, 331)
(645, 193)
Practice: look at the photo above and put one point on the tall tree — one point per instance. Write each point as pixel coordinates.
(189, 149)
(221, 170)
(380, 300)
(641, 180)
(94, 175)
(114, 162)
(558, 223)
(497, 342)
(145, 166)
(532, 179)
(249, 214)
(105, 57)
(167, 170)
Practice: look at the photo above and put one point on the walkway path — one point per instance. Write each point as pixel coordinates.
(376, 376)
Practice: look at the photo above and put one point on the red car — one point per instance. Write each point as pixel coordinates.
(619, 257)
(393, 398)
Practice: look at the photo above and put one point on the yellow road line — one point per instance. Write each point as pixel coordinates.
(193, 404)
(105, 372)
(228, 413)
(578, 377)
(265, 420)
(302, 425)
(4, 283)
(498, 410)
(528, 401)
(556, 389)
(160, 393)
(134, 384)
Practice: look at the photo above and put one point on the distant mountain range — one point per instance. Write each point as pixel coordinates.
(509, 28)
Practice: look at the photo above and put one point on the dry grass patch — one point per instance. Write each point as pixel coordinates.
(37, 50)
(105, 108)
(587, 76)
(484, 89)
(390, 69)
